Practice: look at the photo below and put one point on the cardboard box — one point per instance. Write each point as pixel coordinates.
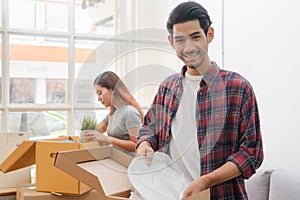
(42, 153)
(9, 141)
(105, 170)
(28, 192)
(7, 191)
(204, 195)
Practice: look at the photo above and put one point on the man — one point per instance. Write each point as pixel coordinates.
(205, 118)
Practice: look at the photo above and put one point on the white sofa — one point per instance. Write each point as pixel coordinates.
(273, 185)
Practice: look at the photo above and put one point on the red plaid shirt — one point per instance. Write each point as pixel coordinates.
(228, 125)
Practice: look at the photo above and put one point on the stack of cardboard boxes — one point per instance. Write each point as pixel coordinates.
(29, 192)
(105, 170)
(66, 169)
(49, 179)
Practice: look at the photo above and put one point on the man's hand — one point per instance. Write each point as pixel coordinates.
(196, 186)
(224, 173)
(145, 149)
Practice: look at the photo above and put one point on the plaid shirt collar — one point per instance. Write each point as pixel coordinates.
(208, 78)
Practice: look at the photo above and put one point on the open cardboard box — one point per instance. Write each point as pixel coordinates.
(9, 141)
(28, 192)
(105, 170)
(42, 153)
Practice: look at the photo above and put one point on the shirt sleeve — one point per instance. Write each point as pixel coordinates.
(250, 152)
(156, 127)
(133, 118)
(148, 132)
(105, 120)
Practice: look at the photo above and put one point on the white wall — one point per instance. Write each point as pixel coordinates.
(262, 43)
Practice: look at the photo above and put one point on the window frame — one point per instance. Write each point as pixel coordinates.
(6, 107)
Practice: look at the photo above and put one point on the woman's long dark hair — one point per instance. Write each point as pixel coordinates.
(110, 80)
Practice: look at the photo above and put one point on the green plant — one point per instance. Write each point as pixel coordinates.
(88, 123)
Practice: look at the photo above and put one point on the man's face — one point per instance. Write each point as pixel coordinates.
(191, 43)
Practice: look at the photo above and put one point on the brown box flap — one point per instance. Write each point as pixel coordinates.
(102, 168)
(22, 156)
(204, 195)
(25, 154)
(62, 137)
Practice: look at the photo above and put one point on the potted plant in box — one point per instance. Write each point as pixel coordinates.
(88, 123)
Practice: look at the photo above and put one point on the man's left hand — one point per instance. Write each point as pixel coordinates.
(196, 186)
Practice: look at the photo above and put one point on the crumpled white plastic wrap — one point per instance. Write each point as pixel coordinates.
(160, 180)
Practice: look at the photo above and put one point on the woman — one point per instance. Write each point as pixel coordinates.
(124, 119)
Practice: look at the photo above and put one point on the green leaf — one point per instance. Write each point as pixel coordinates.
(88, 123)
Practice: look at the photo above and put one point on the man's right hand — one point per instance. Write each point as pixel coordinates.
(145, 149)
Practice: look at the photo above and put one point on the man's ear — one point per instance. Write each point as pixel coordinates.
(171, 41)
(210, 34)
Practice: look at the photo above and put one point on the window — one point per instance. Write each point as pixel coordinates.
(52, 50)
(46, 63)
(92, 16)
(38, 70)
(0, 14)
(47, 15)
(38, 124)
(1, 56)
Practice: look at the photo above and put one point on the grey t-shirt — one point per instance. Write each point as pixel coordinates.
(121, 120)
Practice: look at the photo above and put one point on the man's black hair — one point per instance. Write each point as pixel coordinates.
(189, 11)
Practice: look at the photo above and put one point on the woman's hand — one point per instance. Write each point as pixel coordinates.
(92, 135)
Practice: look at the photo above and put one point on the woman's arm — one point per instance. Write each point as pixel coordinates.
(128, 145)
(101, 127)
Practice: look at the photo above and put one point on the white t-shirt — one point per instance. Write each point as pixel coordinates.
(184, 149)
